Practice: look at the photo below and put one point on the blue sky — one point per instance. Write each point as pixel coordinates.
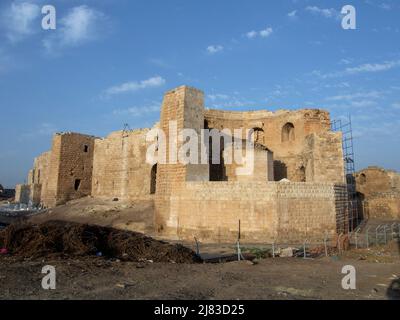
(109, 63)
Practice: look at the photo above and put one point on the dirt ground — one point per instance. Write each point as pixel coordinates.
(271, 278)
(92, 277)
(124, 215)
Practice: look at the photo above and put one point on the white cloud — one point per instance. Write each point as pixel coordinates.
(364, 68)
(373, 67)
(44, 129)
(133, 86)
(357, 95)
(345, 61)
(251, 34)
(138, 111)
(80, 25)
(214, 49)
(292, 14)
(262, 33)
(385, 6)
(396, 105)
(18, 20)
(266, 33)
(326, 13)
(218, 96)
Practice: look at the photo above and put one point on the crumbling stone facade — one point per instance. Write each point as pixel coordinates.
(379, 192)
(62, 174)
(295, 192)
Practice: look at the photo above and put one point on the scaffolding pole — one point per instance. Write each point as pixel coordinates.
(346, 128)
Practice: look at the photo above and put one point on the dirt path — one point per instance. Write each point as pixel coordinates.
(284, 278)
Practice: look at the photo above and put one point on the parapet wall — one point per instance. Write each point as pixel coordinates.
(268, 211)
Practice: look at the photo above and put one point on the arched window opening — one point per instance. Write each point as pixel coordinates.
(363, 178)
(288, 132)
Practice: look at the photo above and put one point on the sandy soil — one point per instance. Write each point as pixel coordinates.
(279, 278)
(137, 216)
(269, 279)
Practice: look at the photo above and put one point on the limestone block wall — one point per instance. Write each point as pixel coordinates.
(379, 190)
(69, 169)
(323, 157)
(384, 206)
(184, 106)
(120, 168)
(285, 212)
(262, 165)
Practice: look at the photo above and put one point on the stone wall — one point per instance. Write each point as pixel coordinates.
(293, 137)
(379, 190)
(120, 169)
(285, 212)
(65, 172)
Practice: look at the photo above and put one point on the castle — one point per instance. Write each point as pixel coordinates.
(296, 191)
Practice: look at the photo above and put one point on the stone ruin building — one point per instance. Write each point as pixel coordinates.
(297, 190)
(379, 192)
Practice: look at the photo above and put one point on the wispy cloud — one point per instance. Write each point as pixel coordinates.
(364, 68)
(214, 49)
(43, 130)
(396, 105)
(80, 25)
(356, 100)
(357, 95)
(326, 13)
(138, 111)
(133, 86)
(265, 33)
(18, 20)
(292, 14)
(218, 96)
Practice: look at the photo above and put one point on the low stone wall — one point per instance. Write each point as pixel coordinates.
(268, 211)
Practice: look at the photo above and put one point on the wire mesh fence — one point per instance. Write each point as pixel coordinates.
(307, 249)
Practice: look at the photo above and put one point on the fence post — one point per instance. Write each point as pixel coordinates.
(325, 244)
(376, 235)
(356, 235)
(384, 232)
(338, 242)
(367, 237)
(304, 249)
(197, 246)
(273, 249)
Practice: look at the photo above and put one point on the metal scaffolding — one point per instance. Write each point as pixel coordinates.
(345, 127)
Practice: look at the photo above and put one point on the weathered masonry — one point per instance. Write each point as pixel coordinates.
(296, 191)
(379, 192)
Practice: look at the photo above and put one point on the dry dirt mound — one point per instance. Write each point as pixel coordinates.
(74, 239)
